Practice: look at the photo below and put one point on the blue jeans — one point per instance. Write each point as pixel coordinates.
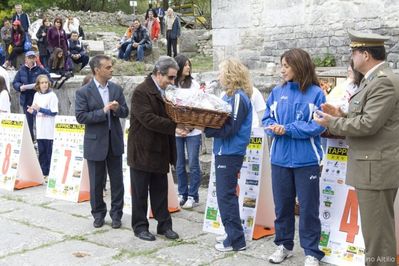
(227, 168)
(286, 184)
(193, 144)
(122, 49)
(140, 51)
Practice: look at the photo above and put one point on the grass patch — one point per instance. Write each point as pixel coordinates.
(119, 30)
(202, 63)
(128, 68)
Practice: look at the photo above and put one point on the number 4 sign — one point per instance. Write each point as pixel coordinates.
(19, 164)
(341, 238)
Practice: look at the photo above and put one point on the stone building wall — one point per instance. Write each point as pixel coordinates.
(259, 31)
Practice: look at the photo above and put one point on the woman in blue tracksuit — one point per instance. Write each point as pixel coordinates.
(295, 155)
(229, 147)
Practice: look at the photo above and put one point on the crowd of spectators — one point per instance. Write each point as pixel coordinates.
(16, 41)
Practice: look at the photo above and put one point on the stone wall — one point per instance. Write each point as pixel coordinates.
(259, 31)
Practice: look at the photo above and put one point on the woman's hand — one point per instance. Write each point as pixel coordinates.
(277, 129)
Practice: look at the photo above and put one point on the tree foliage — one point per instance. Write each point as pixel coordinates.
(7, 7)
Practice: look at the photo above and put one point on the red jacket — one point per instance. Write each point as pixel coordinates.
(154, 34)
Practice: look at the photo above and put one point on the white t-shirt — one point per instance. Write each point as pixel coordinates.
(258, 106)
(5, 104)
(194, 88)
(44, 123)
(6, 77)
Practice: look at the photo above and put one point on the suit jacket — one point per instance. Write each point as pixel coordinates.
(89, 111)
(151, 141)
(372, 130)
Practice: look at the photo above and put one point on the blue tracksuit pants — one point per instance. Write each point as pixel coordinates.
(226, 169)
(303, 182)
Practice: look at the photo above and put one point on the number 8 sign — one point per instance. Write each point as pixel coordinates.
(6, 161)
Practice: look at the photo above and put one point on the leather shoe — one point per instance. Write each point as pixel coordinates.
(170, 234)
(145, 235)
(98, 222)
(116, 224)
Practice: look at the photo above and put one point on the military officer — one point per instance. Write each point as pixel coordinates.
(371, 127)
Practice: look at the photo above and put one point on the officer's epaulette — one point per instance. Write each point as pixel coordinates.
(381, 74)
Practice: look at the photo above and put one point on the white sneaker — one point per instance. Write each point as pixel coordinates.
(221, 238)
(190, 203)
(280, 255)
(311, 261)
(222, 248)
(181, 199)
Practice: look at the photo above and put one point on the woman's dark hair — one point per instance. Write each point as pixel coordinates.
(154, 12)
(58, 19)
(181, 62)
(19, 30)
(3, 86)
(44, 20)
(57, 62)
(303, 67)
(357, 76)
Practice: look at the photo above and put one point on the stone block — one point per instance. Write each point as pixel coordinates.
(94, 47)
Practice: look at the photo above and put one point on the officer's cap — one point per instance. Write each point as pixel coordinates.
(360, 39)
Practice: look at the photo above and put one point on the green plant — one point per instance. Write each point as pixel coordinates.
(327, 61)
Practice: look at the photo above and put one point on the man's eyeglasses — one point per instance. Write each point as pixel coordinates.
(171, 77)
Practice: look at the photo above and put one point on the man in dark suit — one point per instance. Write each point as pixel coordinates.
(99, 105)
(151, 148)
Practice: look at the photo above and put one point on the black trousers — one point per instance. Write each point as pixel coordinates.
(97, 170)
(171, 43)
(157, 184)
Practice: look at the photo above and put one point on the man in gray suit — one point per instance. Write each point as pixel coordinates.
(372, 130)
(99, 105)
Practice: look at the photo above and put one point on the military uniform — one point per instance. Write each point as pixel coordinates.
(372, 131)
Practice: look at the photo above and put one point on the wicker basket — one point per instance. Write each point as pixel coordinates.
(195, 116)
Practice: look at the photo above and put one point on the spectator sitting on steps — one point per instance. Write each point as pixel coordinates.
(125, 41)
(140, 42)
(77, 52)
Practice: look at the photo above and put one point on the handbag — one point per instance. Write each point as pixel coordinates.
(9, 50)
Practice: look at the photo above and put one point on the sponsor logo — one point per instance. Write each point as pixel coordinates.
(326, 215)
(221, 166)
(328, 190)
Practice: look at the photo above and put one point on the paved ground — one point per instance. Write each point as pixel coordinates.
(35, 230)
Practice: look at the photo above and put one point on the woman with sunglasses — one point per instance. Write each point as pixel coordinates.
(56, 37)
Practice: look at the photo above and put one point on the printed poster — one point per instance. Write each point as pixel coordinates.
(11, 131)
(19, 163)
(248, 188)
(68, 172)
(341, 236)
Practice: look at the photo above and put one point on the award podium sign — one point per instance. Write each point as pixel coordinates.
(69, 176)
(341, 235)
(20, 167)
(173, 203)
(254, 191)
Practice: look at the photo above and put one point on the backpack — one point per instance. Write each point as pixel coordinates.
(27, 43)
